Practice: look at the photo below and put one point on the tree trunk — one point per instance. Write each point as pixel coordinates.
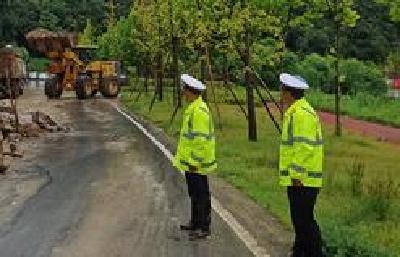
(3, 168)
(160, 77)
(146, 79)
(226, 85)
(175, 52)
(203, 71)
(13, 94)
(252, 121)
(338, 129)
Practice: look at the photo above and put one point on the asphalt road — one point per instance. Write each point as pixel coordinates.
(111, 193)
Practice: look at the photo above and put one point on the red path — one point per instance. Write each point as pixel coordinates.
(377, 131)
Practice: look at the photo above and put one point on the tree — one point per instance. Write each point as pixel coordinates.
(87, 37)
(118, 42)
(245, 23)
(394, 8)
(343, 15)
(17, 17)
(393, 64)
(177, 98)
(111, 6)
(21, 16)
(291, 15)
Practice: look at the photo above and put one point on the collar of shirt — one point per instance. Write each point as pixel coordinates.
(294, 106)
(193, 104)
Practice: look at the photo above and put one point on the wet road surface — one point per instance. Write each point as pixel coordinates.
(111, 193)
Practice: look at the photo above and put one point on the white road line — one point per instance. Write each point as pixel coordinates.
(240, 231)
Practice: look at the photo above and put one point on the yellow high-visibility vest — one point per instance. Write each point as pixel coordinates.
(196, 145)
(301, 151)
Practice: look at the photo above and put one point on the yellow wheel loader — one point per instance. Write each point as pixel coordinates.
(71, 68)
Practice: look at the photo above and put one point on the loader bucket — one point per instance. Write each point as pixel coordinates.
(45, 41)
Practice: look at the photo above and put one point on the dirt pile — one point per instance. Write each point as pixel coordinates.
(16, 126)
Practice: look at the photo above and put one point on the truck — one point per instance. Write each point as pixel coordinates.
(13, 73)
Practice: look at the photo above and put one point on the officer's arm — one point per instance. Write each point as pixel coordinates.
(200, 138)
(302, 151)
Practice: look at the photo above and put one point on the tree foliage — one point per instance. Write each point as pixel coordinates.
(20, 16)
(394, 8)
(88, 36)
(303, 27)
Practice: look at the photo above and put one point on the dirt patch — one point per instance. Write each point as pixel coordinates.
(365, 128)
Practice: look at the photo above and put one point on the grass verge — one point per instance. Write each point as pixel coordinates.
(363, 106)
(358, 209)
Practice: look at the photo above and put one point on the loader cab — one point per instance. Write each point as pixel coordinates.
(86, 53)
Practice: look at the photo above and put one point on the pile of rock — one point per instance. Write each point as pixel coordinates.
(29, 124)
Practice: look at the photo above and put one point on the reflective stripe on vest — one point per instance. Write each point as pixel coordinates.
(193, 134)
(202, 165)
(292, 139)
(297, 168)
(311, 174)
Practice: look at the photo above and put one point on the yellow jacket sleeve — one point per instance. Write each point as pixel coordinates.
(303, 133)
(200, 138)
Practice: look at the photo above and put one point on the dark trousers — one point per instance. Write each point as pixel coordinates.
(308, 242)
(200, 199)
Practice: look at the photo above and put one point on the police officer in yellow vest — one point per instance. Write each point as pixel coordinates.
(300, 164)
(196, 156)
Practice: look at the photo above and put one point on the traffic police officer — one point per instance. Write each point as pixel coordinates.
(196, 156)
(300, 164)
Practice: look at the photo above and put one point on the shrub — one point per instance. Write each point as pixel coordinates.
(38, 64)
(382, 191)
(317, 71)
(357, 76)
(362, 77)
(342, 241)
(356, 173)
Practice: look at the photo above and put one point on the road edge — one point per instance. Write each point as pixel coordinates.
(244, 235)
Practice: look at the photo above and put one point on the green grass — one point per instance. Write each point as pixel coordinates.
(348, 220)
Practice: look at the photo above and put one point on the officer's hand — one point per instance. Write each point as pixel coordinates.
(297, 183)
(192, 168)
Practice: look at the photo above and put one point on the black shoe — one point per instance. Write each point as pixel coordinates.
(199, 234)
(188, 227)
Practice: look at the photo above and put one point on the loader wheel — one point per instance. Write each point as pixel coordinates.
(94, 92)
(21, 88)
(53, 88)
(14, 91)
(110, 89)
(84, 89)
